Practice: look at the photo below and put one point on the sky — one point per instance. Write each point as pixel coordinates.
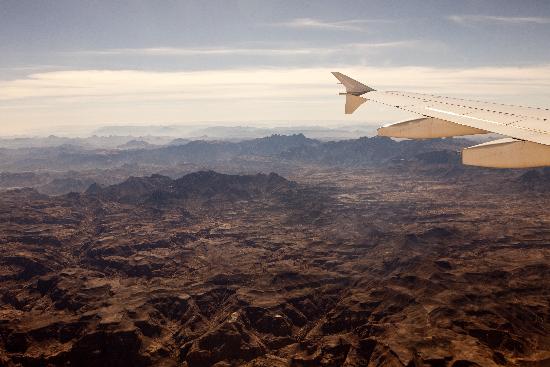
(246, 62)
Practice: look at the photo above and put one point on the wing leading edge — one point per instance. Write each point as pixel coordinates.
(441, 116)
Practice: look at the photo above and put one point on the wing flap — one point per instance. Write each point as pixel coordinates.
(427, 128)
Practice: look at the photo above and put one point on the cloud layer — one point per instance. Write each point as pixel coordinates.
(307, 94)
(256, 83)
(319, 24)
(346, 48)
(492, 19)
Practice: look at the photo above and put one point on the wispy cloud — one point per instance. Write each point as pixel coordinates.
(259, 82)
(350, 48)
(210, 51)
(492, 19)
(341, 25)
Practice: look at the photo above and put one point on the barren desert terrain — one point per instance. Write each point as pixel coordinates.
(406, 263)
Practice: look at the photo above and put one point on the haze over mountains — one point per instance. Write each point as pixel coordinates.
(110, 136)
(60, 165)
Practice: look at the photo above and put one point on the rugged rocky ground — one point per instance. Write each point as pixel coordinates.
(334, 267)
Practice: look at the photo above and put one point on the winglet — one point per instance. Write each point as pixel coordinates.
(352, 85)
(353, 102)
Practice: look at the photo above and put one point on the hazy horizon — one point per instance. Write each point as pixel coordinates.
(182, 129)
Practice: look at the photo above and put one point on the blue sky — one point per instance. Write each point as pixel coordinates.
(76, 62)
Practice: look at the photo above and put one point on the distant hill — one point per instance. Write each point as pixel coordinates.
(239, 133)
(21, 179)
(291, 148)
(135, 144)
(91, 142)
(179, 141)
(203, 185)
(276, 144)
(372, 151)
(451, 157)
(59, 186)
(537, 180)
(355, 152)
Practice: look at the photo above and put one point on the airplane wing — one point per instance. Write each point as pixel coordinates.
(528, 128)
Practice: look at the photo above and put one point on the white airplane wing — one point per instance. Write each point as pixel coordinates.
(528, 128)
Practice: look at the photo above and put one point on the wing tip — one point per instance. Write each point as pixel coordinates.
(352, 86)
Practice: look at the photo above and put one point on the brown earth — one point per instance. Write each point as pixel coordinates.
(359, 267)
